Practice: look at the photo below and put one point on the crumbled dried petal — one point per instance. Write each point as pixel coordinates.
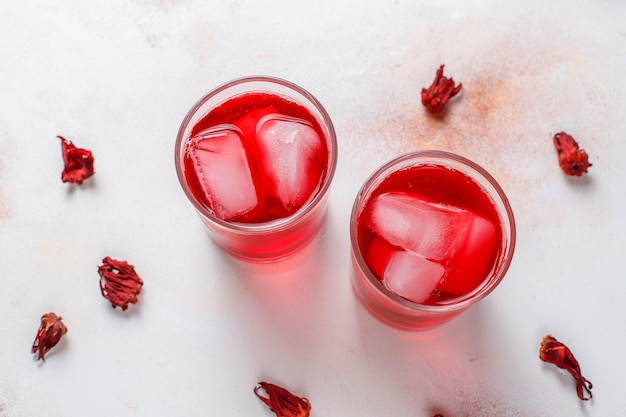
(435, 97)
(572, 160)
(119, 283)
(282, 402)
(50, 332)
(556, 353)
(78, 162)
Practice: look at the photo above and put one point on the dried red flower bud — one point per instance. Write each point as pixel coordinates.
(78, 162)
(50, 332)
(435, 97)
(282, 402)
(572, 159)
(555, 352)
(119, 283)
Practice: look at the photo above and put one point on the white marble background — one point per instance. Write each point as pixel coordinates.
(117, 77)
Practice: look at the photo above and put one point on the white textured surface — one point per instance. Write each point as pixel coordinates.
(117, 77)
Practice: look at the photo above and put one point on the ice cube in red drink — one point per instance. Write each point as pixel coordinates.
(290, 151)
(417, 224)
(473, 258)
(412, 276)
(222, 169)
(406, 273)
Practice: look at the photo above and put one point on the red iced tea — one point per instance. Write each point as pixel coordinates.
(432, 233)
(256, 158)
(429, 234)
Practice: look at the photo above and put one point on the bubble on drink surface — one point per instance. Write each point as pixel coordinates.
(291, 150)
(221, 166)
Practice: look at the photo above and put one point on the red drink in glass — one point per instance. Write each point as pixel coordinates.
(256, 158)
(432, 233)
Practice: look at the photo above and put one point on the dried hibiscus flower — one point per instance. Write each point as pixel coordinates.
(573, 160)
(556, 353)
(435, 97)
(119, 283)
(50, 332)
(78, 162)
(282, 402)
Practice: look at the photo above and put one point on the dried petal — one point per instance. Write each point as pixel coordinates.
(50, 332)
(556, 353)
(572, 159)
(435, 97)
(282, 402)
(119, 283)
(78, 162)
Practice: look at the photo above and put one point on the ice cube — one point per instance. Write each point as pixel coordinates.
(221, 165)
(412, 276)
(405, 273)
(430, 229)
(291, 156)
(474, 258)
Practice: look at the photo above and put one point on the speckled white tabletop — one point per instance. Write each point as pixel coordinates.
(117, 77)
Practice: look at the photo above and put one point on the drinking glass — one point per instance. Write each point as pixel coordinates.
(426, 171)
(276, 239)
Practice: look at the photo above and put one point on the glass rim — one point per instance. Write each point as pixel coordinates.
(277, 224)
(437, 157)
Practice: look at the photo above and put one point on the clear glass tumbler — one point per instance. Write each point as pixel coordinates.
(432, 233)
(256, 157)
